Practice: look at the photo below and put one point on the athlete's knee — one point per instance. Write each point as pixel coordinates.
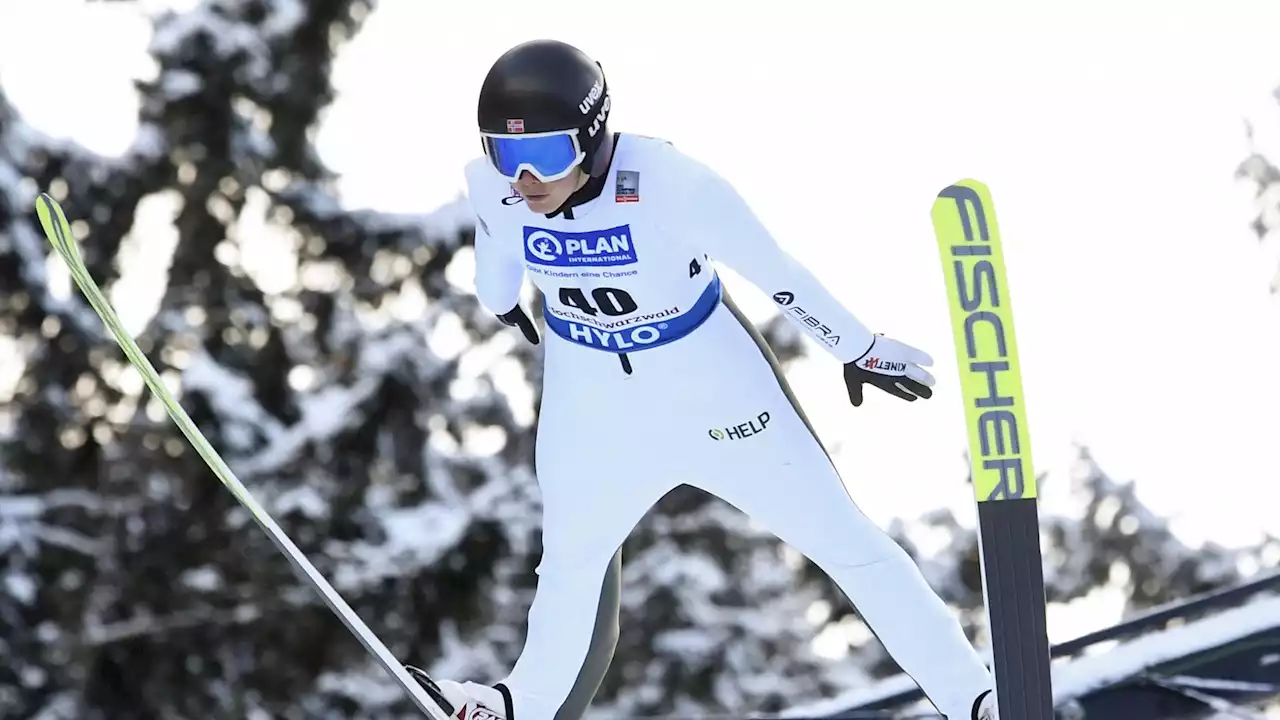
(587, 527)
(578, 554)
(609, 616)
(841, 535)
(879, 550)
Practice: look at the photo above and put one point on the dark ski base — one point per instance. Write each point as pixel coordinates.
(1015, 598)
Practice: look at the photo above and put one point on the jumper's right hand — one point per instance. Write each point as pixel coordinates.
(516, 317)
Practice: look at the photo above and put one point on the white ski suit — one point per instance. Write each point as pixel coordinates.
(653, 379)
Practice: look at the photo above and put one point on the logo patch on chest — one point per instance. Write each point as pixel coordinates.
(628, 187)
(600, 248)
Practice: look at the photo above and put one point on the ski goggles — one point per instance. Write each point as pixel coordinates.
(550, 156)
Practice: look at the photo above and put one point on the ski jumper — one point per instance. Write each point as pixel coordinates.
(653, 379)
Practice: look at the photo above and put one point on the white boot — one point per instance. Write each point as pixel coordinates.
(984, 707)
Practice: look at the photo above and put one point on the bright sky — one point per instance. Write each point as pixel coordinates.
(1108, 137)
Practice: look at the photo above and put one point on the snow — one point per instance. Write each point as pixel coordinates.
(303, 499)
(416, 537)
(323, 415)
(853, 699)
(230, 395)
(449, 220)
(325, 412)
(62, 706)
(368, 685)
(285, 17)
(1082, 675)
(21, 528)
(1216, 684)
(149, 143)
(225, 36)
(20, 587)
(180, 83)
(1075, 677)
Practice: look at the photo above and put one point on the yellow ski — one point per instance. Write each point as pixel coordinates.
(1004, 481)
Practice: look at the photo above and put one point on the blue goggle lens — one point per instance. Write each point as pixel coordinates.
(548, 155)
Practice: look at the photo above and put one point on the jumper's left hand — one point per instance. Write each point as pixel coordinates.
(894, 367)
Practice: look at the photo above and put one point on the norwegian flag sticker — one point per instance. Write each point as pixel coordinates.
(515, 126)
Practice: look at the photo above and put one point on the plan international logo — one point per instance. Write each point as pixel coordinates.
(601, 248)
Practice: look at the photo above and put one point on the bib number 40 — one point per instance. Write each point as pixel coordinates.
(608, 301)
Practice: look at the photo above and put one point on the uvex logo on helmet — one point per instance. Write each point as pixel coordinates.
(592, 96)
(600, 117)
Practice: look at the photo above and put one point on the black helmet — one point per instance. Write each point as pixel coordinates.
(543, 86)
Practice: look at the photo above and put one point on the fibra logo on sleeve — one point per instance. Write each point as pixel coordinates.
(568, 249)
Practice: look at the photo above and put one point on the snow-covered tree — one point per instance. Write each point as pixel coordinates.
(1259, 171)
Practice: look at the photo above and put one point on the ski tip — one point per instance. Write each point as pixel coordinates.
(45, 204)
(968, 183)
(53, 220)
(47, 210)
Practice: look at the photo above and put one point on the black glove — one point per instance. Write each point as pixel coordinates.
(892, 366)
(516, 317)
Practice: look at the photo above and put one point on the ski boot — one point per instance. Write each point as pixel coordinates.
(984, 708)
(465, 701)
